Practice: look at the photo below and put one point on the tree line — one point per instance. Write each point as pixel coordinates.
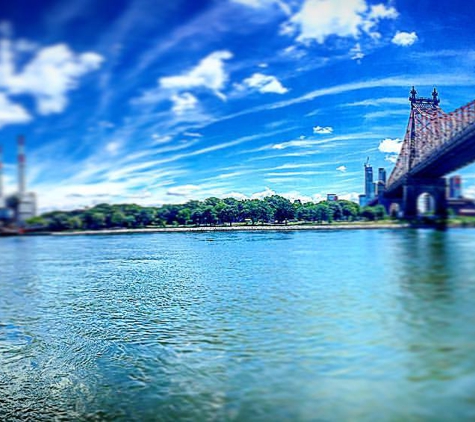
(210, 212)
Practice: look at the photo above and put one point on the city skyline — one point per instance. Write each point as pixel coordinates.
(157, 105)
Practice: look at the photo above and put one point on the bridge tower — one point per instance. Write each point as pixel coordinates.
(435, 144)
(413, 186)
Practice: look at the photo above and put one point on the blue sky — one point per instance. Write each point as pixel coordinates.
(159, 102)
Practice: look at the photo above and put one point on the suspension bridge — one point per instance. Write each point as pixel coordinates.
(435, 144)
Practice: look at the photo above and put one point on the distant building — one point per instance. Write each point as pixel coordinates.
(455, 187)
(369, 185)
(382, 175)
(372, 189)
(461, 206)
(362, 200)
(380, 185)
(332, 197)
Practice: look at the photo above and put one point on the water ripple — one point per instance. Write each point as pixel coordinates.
(363, 325)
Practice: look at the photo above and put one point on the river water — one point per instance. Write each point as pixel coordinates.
(374, 325)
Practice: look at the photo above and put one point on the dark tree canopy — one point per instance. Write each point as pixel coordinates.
(213, 211)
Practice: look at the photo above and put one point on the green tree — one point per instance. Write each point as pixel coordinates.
(323, 212)
(197, 216)
(59, 221)
(209, 215)
(251, 210)
(283, 209)
(350, 210)
(184, 216)
(37, 223)
(75, 223)
(368, 213)
(307, 212)
(380, 212)
(227, 213)
(118, 219)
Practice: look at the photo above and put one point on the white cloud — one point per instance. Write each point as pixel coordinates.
(48, 76)
(261, 195)
(236, 195)
(385, 113)
(308, 143)
(209, 73)
(320, 130)
(259, 4)
(376, 102)
(392, 146)
(193, 134)
(265, 84)
(319, 19)
(391, 158)
(252, 3)
(183, 102)
(356, 53)
(404, 39)
(380, 11)
(184, 190)
(294, 52)
(113, 147)
(342, 169)
(351, 196)
(300, 143)
(11, 113)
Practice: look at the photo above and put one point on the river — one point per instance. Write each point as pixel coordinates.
(374, 325)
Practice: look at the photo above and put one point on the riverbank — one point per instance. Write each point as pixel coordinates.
(270, 227)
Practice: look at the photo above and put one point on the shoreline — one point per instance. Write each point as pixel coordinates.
(234, 228)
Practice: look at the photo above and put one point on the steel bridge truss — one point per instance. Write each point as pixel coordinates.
(429, 131)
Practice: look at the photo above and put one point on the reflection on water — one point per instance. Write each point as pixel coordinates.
(351, 325)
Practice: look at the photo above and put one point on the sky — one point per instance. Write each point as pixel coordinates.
(155, 102)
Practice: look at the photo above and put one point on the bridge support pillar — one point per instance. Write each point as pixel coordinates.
(414, 187)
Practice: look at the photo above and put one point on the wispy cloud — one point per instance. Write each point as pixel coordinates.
(208, 73)
(183, 103)
(385, 113)
(11, 113)
(320, 130)
(265, 84)
(378, 102)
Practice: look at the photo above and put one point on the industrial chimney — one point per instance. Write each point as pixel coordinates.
(21, 166)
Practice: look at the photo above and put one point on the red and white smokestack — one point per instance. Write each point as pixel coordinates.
(21, 165)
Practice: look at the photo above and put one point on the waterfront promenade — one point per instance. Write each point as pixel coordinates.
(270, 227)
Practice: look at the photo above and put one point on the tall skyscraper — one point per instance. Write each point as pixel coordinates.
(380, 185)
(382, 175)
(368, 179)
(455, 187)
